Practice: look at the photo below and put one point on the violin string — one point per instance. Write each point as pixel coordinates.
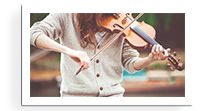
(141, 33)
(146, 37)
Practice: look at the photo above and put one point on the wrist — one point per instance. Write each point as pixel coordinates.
(65, 50)
(150, 59)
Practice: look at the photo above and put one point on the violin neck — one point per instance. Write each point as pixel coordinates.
(145, 36)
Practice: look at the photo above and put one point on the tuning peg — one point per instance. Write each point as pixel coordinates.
(172, 68)
(179, 59)
(168, 64)
(180, 67)
(174, 53)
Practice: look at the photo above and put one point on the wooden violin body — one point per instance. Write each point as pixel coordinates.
(117, 22)
(139, 35)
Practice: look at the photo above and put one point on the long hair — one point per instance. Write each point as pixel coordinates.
(88, 24)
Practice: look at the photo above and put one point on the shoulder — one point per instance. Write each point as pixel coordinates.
(60, 16)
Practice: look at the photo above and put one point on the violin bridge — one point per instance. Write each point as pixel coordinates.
(124, 20)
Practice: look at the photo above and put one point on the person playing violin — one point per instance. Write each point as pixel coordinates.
(81, 36)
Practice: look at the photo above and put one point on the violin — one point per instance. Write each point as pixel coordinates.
(139, 35)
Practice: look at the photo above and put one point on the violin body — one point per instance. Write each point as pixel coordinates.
(116, 24)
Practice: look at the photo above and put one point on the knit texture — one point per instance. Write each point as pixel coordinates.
(108, 64)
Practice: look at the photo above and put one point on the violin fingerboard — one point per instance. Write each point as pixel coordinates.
(143, 34)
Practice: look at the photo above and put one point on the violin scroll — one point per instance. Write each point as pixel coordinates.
(174, 62)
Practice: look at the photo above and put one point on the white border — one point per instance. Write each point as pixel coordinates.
(46, 8)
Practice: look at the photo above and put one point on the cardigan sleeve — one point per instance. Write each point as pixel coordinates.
(53, 26)
(129, 55)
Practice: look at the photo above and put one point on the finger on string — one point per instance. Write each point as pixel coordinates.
(161, 52)
(161, 49)
(167, 51)
(157, 48)
(153, 49)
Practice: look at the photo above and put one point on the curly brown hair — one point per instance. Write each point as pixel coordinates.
(88, 24)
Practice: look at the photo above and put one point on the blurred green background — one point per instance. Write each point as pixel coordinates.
(156, 80)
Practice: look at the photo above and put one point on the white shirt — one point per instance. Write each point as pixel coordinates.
(99, 35)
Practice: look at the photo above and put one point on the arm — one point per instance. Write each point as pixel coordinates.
(42, 41)
(156, 54)
(43, 34)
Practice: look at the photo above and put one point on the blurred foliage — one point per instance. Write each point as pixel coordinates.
(34, 17)
(169, 27)
(154, 18)
(49, 62)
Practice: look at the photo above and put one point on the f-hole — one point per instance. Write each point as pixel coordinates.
(118, 26)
